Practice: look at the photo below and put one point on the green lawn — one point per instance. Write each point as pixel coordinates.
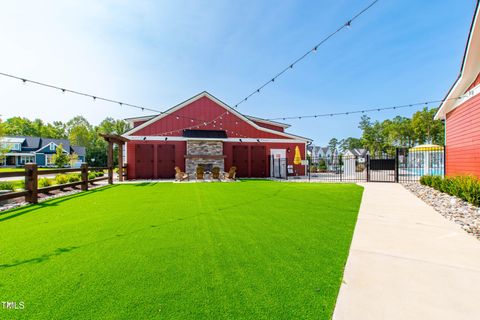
(247, 250)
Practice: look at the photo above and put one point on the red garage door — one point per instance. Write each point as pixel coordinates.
(165, 161)
(144, 161)
(258, 161)
(240, 160)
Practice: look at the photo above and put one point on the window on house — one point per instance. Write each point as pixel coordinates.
(52, 147)
(11, 146)
(48, 159)
(26, 159)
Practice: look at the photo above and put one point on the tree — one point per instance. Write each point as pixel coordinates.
(374, 136)
(332, 145)
(426, 128)
(60, 158)
(80, 132)
(18, 126)
(400, 132)
(350, 143)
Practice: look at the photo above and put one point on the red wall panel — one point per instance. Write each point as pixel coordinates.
(180, 151)
(269, 126)
(463, 139)
(228, 152)
(194, 116)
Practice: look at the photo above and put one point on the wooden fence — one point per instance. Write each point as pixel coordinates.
(32, 173)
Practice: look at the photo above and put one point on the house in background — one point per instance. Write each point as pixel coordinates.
(358, 153)
(23, 149)
(317, 152)
(205, 131)
(461, 111)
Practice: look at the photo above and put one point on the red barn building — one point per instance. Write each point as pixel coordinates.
(205, 131)
(461, 111)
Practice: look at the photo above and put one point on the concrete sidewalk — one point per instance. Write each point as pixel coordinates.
(408, 262)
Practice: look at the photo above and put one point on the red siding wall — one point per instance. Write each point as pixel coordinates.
(180, 151)
(205, 110)
(463, 139)
(228, 151)
(137, 123)
(269, 126)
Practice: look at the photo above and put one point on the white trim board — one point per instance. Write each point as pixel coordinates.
(170, 138)
(468, 72)
(467, 96)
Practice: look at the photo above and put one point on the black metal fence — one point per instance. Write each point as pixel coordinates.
(404, 165)
(419, 161)
(342, 168)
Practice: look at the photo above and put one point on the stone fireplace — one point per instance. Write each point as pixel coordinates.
(206, 153)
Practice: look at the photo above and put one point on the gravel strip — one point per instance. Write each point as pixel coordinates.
(452, 208)
(19, 202)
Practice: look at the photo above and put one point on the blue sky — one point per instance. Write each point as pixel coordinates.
(159, 53)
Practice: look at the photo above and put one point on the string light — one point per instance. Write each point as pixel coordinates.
(346, 25)
(365, 110)
(95, 98)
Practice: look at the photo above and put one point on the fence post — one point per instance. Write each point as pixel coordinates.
(309, 169)
(84, 168)
(444, 161)
(396, 165)
(31, 182)
(110, 162)
(367, 161)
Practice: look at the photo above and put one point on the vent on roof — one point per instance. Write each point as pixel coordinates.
(210, 134)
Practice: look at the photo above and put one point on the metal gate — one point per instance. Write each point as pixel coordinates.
(401, 165)
(381, 169)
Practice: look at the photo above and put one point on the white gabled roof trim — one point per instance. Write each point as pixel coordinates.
(468, 72)
(220, 103)
(48, 145)
(176, 138)
(273, 123)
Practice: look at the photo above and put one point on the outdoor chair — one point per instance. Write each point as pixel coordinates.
(180, 176)
(199, 173)
(216, 173)
(230, 175)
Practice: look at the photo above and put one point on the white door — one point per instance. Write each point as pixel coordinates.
(278, 163)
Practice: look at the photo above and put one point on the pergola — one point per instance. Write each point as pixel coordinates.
(120, 142)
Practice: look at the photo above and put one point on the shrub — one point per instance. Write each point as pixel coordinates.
(437, 183)
(464, 187)
(470, 189)
(61, 179)
(322, 165)
(92, 175)
(74, 177)
(425, 180)
(44, 182)
(20, 184)
(6, 186)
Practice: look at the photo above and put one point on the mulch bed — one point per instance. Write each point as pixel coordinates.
(20, 202)
(452, 208)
